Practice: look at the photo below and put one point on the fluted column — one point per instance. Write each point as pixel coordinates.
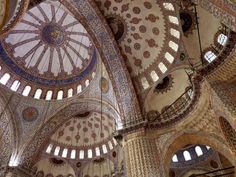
(141, 155)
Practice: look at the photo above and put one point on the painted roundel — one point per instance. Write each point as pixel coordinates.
(49, 47)
(104, 85)
(30, 114)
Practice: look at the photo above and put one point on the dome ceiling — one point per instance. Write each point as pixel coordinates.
(50, 48)
(84, 131)
(84, 136)
(148, 39)
(172, 96)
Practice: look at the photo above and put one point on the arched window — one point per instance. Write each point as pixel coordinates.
(190, 93)
(114, 141)
(79, 89)
(154, 76)
(60, 95)
(174, 158)
(81, 154)
(222, 39)
(110, 145)
(15, 85)
(168, 6)
(198, 150)
(174, 46)
(49, 95)
(104, 148)
(70, 93)
(64, 153)
(90, 153)
(145, 83)
(49, 148)
(174, 20)
(57, 150)
(187, 156)
(97, 150)
(87, 83)
(93, 74)
(38, 93)
(169, 57)
(162, 67)
(210, 56)
(5, 78)
(175, 33)
(26, 91)
(73, 154)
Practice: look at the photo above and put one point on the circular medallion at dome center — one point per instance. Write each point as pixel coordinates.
(53, 34)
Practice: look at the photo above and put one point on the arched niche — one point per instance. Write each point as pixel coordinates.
(207, 139)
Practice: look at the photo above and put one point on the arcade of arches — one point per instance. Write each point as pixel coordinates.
(117, 88)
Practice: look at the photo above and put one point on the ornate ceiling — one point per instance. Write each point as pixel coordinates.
(49, 48)
(58, 49)
(148, 39)
(50, 41)
(90, 132)
(86, 129)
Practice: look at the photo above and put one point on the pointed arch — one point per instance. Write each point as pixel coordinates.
(182, 139)
(42, 136)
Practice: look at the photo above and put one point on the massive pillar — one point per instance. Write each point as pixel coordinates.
(141, 155)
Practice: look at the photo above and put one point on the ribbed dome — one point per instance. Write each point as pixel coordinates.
(50, 50)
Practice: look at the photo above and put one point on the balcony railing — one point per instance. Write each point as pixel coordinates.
(227, 172)
(178, 106)
(221, 56)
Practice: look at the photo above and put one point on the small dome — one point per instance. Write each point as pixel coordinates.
(84, 136)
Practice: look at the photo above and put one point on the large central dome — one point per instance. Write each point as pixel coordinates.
(50, 48)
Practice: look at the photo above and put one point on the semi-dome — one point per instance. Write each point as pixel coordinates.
(48, 54)
(84, 136)
(148, 34)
